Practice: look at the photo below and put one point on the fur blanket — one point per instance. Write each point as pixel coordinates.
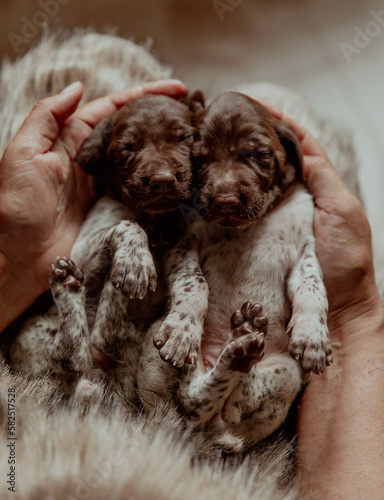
(64, 453)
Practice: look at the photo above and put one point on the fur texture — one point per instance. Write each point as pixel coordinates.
(255, 244)
(61, 453)
(62, 59)
(140, 155)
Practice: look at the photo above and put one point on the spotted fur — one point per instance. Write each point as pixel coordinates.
(157, 452)
(141, 154)
(258, 247)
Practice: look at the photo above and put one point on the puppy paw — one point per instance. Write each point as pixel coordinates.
(242, 353)
(310, 344)
(65, 274)
(248, 319)
(87, 393)
(178, 339)
(133, 273)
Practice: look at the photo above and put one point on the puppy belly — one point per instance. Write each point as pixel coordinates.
(216, 338)
(212, 346)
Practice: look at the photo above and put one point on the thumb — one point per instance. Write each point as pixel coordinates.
(42, 126)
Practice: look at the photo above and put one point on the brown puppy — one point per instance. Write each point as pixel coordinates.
(140, 156)
(141, 153)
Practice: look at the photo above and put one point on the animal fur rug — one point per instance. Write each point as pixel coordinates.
(67, 453)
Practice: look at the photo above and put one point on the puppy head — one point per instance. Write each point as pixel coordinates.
(244, 159)
(142, 153)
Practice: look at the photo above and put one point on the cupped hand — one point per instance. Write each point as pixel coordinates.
(44, 195)
(341, 228)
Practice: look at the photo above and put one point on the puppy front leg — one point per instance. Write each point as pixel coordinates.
(108, 240)
(179, 337)
(132, 273)
(133, 270)
(89, 251)
(309, 343)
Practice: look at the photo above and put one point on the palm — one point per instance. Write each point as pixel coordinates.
(343, 248)
(56, 194)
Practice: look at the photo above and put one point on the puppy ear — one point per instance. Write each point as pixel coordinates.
(194, 101)
(92, 155)
(291, 145)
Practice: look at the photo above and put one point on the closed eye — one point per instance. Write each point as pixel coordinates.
(184, 137)
(249, 153)
(255, 154)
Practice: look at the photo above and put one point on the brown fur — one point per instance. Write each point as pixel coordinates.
(236, 134)
(58, 451)
(141, 154)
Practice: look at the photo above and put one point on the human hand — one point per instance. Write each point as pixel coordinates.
(342, 232)
(44, 196)
(341, 411)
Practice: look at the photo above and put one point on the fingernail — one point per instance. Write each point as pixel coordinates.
(71, 88)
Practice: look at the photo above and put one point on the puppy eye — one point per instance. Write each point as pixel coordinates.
(248, 153)
(182, 138)
(124, 149)
(122, 156)
(255, 154)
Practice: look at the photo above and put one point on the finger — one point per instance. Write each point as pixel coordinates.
(93, 112)
(320, 176)
(42, 126)
(171, 88)
(323, 181)
(309, 145)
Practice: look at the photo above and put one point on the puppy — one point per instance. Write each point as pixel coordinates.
(140, 157)
(141, 153)
(253, 245)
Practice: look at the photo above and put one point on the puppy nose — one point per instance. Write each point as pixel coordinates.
(162, 182)
(228, 203)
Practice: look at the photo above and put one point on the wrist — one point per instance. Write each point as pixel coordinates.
(341, 410)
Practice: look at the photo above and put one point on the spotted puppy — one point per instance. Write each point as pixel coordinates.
(253, 245)
(140, 157)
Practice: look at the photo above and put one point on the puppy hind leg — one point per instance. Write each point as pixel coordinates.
(71, 349)
(32, 349)
(205, 393)
(262, 399)
(113, 333)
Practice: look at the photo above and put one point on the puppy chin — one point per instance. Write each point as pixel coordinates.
(234, 223)
(159, 209)
(159, 204)
(229, 221)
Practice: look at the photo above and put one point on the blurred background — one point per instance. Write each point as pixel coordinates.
(329, 51)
